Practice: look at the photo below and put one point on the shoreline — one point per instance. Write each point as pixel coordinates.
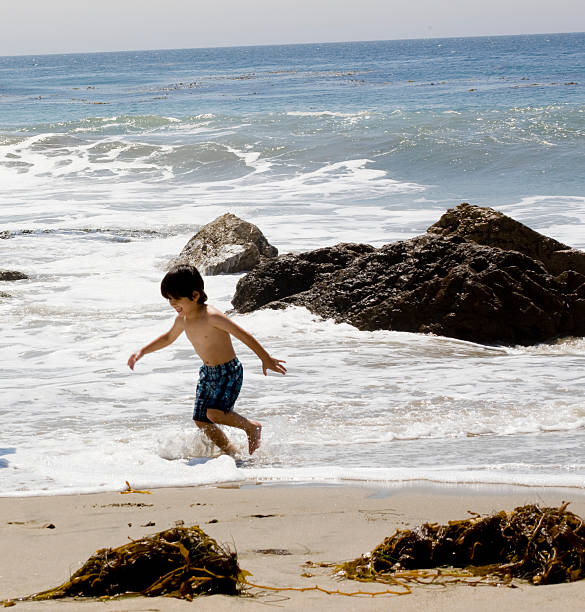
(428, 486)
(275, 529)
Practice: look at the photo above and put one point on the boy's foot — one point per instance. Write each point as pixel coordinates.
(254, 438)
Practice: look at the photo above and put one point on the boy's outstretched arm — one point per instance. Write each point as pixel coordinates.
(158, 343)
(220, 321)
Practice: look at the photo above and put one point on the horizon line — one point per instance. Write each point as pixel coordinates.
(297, 44)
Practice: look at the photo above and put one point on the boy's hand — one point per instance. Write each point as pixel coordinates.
(134, 358)
(270, 363)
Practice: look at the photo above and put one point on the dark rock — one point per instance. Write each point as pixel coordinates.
(492, 228)
(448, 287)
(12, 275)
(441, 284)
(289, 275)
(226, 245)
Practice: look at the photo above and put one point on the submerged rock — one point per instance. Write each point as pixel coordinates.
(444, 284)
(12, 275)
(225, 246)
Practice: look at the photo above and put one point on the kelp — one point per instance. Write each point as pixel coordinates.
(182, 562)
(542, 545)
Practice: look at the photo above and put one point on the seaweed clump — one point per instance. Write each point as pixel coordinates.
(182, 562)
(542, 545)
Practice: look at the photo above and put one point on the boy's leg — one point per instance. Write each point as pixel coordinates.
(216, 435)
(253, 429)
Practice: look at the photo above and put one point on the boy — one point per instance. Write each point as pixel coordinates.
(220, 376)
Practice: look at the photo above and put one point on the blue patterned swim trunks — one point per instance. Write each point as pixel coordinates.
(218, 387)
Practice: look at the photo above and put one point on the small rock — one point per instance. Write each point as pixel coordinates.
(273, 551)
(227, 245)
(12, 275)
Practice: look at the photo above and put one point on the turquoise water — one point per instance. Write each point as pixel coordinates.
(110, 162)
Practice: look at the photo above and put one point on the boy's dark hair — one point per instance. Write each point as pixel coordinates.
(181, 281)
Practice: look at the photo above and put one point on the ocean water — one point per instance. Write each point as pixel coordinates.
(110, 162)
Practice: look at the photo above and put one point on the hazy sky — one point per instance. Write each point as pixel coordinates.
(62, 26)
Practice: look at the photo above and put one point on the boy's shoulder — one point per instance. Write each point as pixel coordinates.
(213, 313)
(217, 319)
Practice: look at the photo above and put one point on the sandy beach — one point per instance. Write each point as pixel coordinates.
(275, 530)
